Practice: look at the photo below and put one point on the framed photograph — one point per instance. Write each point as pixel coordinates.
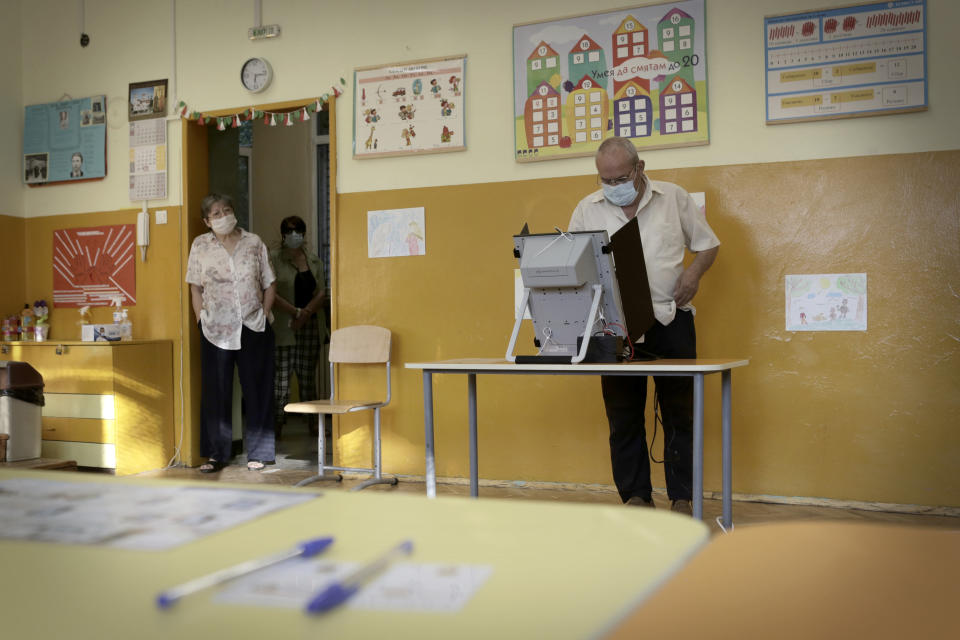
(35, 168)
(638, 73)
(147, 100)
(409, 107)
(97, 113)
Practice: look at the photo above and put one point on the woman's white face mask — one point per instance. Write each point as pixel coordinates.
(223, 225)
(293, 240)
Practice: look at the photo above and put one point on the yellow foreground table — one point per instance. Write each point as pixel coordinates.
(558, 570)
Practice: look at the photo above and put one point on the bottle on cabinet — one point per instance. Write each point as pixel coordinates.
(26, 323)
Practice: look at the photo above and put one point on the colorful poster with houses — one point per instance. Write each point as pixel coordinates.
(826, 302)
(638, 73)
(840, 63)
(94, 265)
(409, 107)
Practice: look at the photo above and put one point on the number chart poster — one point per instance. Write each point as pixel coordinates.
(409, 107)
(840, 63)
(638, 73)
(94, 265)
(65, 141)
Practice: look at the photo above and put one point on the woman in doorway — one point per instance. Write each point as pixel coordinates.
(301, 326)
(232, 291)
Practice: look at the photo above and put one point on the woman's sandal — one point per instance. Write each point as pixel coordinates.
(212, 466)
(255, 465)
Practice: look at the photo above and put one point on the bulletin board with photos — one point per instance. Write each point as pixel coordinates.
(65, 141)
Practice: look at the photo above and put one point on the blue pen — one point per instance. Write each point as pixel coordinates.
(306, 549)
(339, 592)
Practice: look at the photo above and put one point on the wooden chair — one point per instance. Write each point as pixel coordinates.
(361, 344)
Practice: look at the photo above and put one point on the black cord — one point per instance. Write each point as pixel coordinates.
(656, 420)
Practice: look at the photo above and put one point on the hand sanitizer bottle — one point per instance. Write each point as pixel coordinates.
(126, 327)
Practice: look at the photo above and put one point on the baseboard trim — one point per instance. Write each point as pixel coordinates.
(889, 507)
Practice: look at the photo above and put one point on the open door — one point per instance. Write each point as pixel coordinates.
(196, 180)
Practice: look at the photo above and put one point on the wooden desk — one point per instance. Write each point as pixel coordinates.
(810, 580)
(697, 369)
(559, 570)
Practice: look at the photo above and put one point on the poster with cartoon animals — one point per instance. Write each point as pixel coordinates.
(826, 302)
(409, 107)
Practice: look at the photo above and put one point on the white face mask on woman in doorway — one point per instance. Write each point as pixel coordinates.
(224, 225)
(293, 240)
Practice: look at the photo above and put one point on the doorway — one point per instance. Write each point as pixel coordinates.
(271, 172)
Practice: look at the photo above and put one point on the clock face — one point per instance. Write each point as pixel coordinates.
(255, 75)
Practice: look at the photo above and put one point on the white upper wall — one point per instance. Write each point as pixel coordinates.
(130, 41)
(322, 42)
(11, 115)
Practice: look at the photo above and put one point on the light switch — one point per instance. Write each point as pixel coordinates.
(162, 216)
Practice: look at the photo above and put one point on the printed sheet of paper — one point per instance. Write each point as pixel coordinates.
(396, 232)
(518, 296)
(125, 516)
(432, 588)
(701, 199)
(826, 302)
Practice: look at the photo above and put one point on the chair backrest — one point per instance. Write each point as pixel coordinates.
(360, 343)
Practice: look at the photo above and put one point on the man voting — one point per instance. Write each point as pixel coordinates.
(669, 222)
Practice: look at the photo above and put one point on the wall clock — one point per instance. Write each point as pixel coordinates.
(256, 75)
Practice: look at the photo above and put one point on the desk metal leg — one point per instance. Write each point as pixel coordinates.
(698, 446)
(474, 469)
(727, 443)
(431, 470)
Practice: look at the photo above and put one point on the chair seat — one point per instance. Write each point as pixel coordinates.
(327, 407)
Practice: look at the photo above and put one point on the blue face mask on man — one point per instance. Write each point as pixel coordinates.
(623, 192)
(620, 194)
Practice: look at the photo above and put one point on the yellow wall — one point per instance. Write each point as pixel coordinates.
(156, 314)
(12, 293)
(853, 415)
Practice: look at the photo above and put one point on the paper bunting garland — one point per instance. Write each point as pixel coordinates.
(301, 114)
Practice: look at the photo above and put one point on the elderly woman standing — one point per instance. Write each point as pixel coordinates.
(301, 325)
(232, 290)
